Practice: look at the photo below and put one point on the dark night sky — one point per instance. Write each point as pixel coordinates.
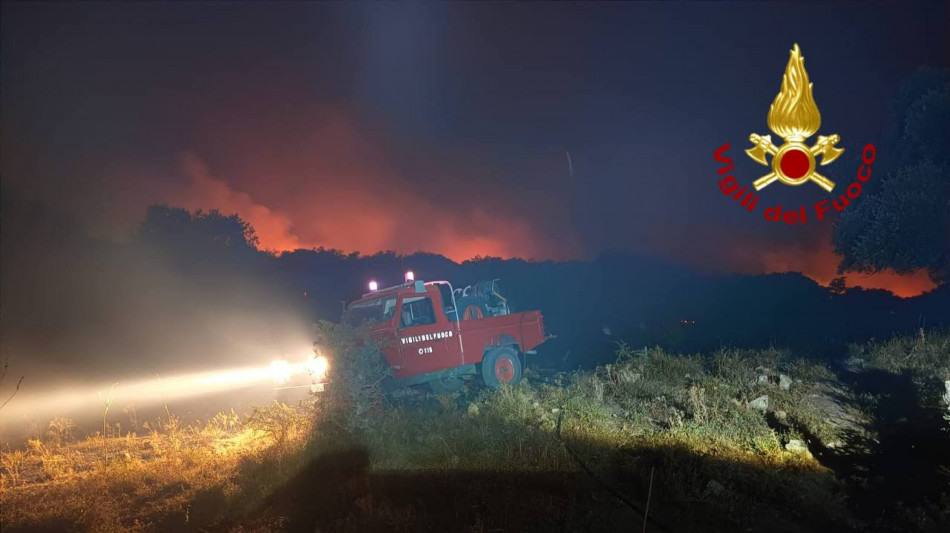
(445, 127)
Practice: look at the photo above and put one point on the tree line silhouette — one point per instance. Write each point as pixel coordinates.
(189, 280)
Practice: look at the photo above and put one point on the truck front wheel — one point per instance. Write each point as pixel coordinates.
(501, 366)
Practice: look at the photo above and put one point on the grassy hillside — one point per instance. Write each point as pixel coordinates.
(725, 441)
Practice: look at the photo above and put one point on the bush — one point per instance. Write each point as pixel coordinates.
(358, 369)
(924, 353)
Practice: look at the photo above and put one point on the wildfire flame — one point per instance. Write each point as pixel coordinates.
(794, 115)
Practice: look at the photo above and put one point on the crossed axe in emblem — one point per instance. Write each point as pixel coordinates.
(824, 146)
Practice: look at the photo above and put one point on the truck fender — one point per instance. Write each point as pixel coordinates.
(505, 340)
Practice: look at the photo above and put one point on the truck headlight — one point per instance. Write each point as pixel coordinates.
(318, 365)
(280, 371)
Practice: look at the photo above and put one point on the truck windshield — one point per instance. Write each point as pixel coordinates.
(370, 311)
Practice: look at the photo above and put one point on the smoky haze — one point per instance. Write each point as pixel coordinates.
(80, 314)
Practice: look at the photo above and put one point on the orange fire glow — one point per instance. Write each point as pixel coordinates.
(367, 215)
(821, 264)
(334, 189)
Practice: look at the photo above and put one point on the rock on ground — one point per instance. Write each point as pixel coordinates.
(760, 404)
(784, 382)
(797, 446)
(830, 399)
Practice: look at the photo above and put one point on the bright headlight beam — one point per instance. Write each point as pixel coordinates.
(281, 371)
(154, 390)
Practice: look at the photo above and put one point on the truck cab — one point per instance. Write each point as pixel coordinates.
(432, 333)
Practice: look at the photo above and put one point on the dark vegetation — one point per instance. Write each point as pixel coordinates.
(194, 273)
(904, 221)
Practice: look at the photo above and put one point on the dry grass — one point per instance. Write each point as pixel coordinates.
(155, 481)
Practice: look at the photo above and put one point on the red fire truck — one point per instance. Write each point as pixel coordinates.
(431, 333)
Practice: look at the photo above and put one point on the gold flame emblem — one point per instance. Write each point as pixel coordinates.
(794, 117)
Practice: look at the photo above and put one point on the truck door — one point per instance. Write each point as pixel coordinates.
(427, 340)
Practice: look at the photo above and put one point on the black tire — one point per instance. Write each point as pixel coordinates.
(469, 307)
(501, 366)
(446, 385)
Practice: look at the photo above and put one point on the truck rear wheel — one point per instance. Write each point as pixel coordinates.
(501, 366)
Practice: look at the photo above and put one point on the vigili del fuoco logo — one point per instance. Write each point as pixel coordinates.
(794, 117)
